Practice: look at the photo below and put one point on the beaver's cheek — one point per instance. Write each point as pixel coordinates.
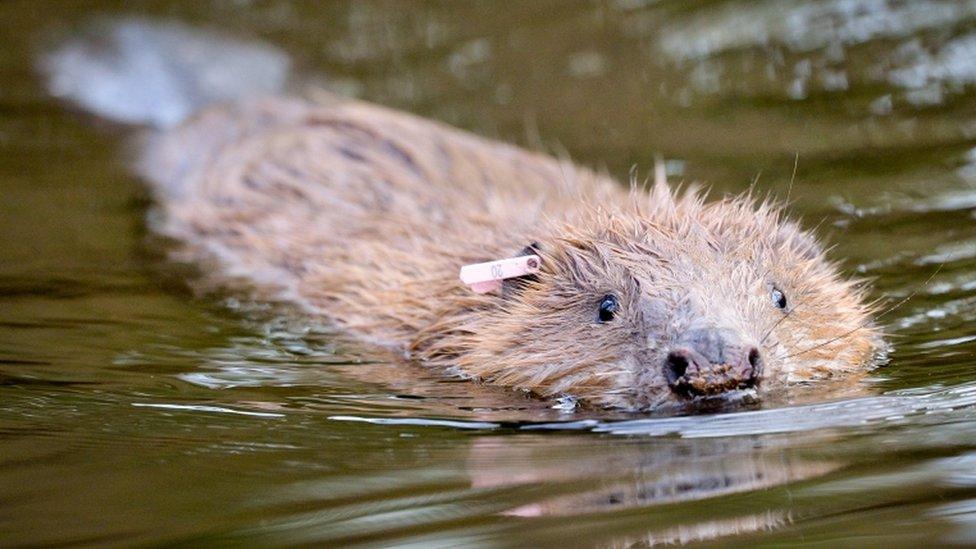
(776, 372)
(655, 313)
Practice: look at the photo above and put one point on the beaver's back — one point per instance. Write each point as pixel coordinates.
(342, 202)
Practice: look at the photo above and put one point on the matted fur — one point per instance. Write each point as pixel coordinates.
(365, 215)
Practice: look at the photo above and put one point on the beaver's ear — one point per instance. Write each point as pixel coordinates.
(514, 286)
(532, 248)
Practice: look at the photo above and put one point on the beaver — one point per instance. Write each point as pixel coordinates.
(364, 215)
(645, 297)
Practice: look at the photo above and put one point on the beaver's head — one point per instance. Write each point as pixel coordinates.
(671, 300)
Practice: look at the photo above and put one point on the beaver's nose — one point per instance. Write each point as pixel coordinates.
(711, 361)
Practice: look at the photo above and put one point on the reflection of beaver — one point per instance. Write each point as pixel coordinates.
(656, 477)
(364, 215)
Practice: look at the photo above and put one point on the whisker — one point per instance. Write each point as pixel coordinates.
(777, 323)
(914, 292)
(610, 373)
(852, 331)
(796, 162)
(825, 343)
(788, 314)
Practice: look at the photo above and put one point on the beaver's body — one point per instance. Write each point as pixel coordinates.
(365, 215)
(357, 211)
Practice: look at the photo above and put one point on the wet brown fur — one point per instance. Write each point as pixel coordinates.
(364, 215)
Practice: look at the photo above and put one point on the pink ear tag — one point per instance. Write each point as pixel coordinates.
(487, 277)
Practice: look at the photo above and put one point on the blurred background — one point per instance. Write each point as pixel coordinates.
(135, 410)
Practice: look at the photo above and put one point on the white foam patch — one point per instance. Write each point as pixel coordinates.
(419, 422)
(210, 409)
(137, 72)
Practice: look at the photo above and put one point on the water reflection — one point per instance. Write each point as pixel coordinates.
(648, 491)
(652, 476)
(814, 45)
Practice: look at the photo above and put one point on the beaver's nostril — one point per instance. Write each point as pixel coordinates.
(755, 360)
(675, 366)
(751, 376)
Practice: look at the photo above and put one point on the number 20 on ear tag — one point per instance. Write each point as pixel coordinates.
(486, 277)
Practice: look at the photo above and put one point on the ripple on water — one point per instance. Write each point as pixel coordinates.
(897, 407)
(135, 412)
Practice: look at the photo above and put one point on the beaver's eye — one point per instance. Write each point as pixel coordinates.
(608, 308)
(779, 298)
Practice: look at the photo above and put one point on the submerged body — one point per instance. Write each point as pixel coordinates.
(364, 215)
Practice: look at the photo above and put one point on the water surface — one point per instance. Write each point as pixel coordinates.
(136, 410)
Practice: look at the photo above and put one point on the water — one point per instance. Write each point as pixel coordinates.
(135, 410)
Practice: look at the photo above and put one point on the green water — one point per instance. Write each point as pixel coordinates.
(135, 411)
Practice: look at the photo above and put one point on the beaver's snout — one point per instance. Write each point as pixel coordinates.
(712, 361)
